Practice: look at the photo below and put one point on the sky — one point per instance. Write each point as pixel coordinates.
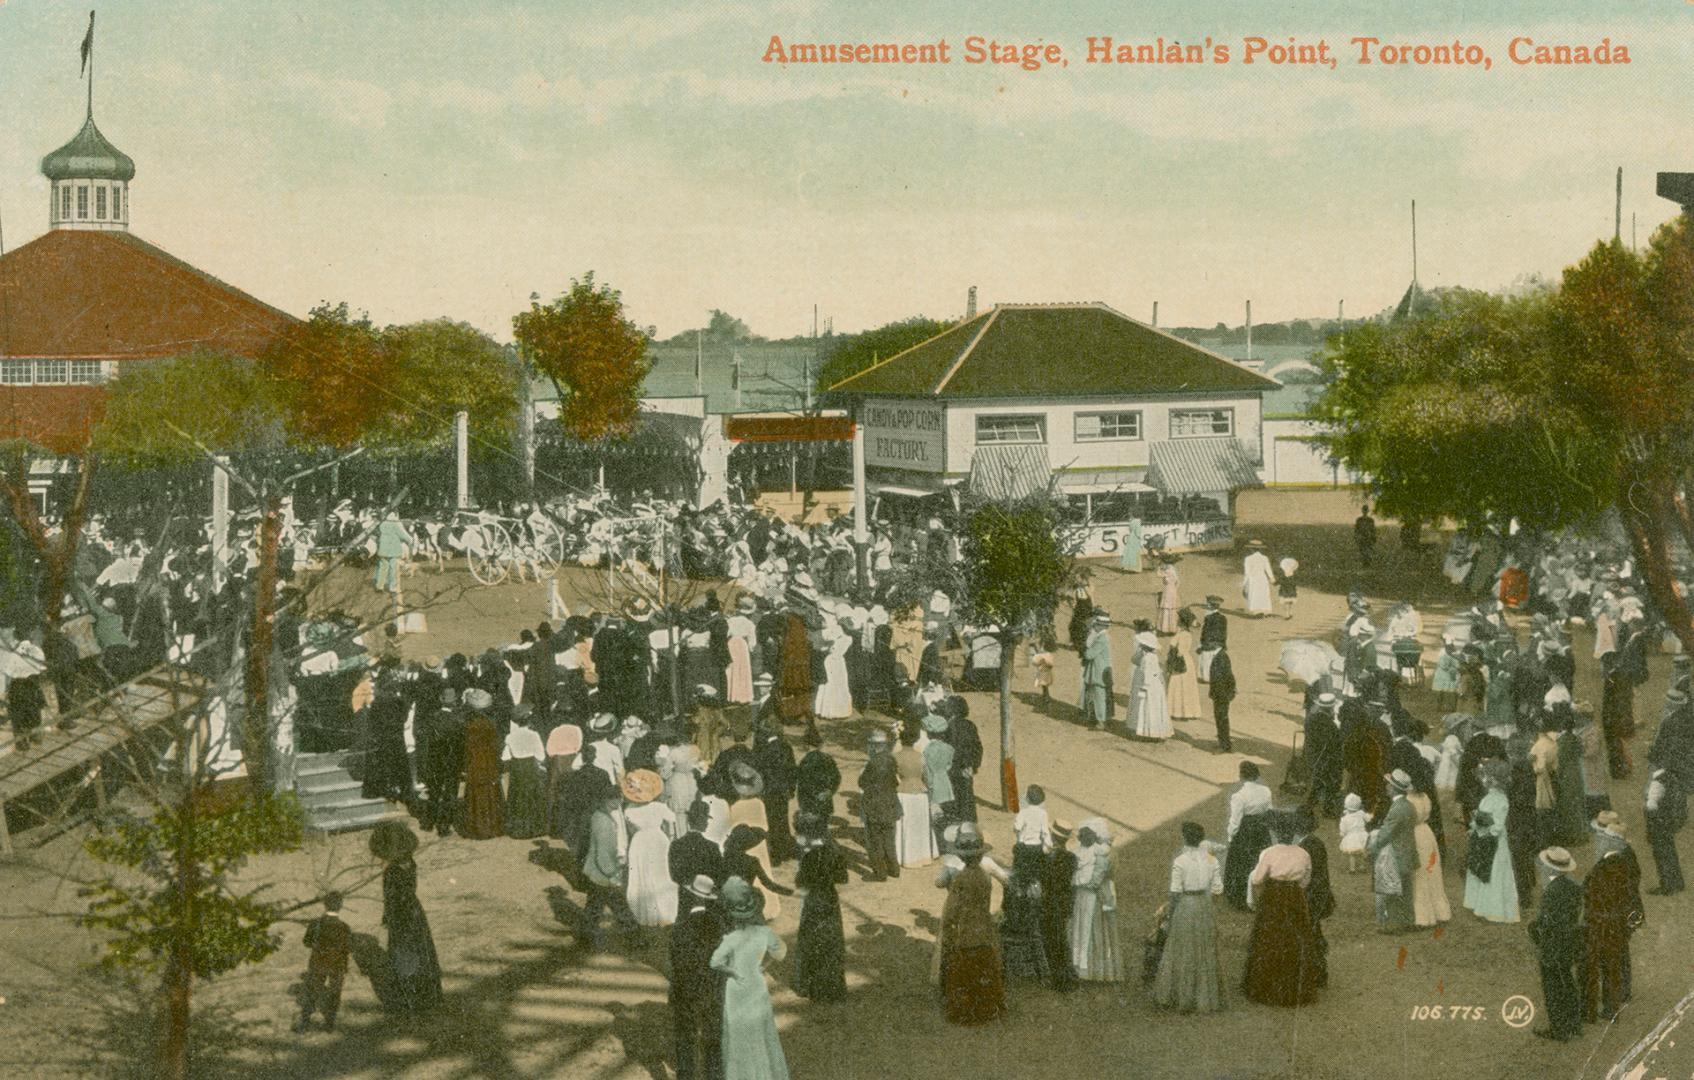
(419, 159)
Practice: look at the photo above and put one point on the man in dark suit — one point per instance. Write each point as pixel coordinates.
(1323, 754)
(1214, 635)
(816, 780)
(696, 995)
(1667, 813)
(1557, 933)
(1394, 908)
(1320, 898)
(879, 806)
(774, 760)
(1222, 690)
(691, 856)
(967, 756)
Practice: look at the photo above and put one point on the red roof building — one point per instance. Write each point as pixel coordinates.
(87, 297)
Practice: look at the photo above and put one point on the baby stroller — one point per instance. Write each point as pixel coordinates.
(1408, 660)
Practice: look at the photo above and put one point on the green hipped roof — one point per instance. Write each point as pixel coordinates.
(1052, 350)
(88, 157)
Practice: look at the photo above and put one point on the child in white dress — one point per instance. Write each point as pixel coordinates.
(1447, 769)
(1353, 832)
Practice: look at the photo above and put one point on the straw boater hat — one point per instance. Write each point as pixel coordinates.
(1609, 821)
(477, 698)
(1557, 858)
(746, 780)
(642, 785)
(702, 886)
(603, 723)
(433, 663)
(1255, 543)
(746, 604)
(1327, 698)
(1101, 616)
(1399, 781)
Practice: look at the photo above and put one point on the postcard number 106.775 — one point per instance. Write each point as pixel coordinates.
(1449, 1012)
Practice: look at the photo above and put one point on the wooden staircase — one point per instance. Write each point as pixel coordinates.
(330, 795)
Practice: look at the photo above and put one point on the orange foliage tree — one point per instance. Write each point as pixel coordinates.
(594, 355)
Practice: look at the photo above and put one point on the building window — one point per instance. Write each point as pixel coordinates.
(51, 372)
(82, 201)
(16, 372)
(1101, 426)
(1011, 429)
(1201, 423)
(85, 371)
(117, 204)
(64, 202)
(100, 204)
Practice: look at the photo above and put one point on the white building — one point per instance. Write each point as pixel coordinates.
(1132, 422)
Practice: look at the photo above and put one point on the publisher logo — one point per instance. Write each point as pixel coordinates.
(1518, 1011)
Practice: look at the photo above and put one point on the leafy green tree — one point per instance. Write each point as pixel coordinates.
(595, 356)
(440, 367)
(235, 410)
(176, 909)
(850, 354)
(1550, 407)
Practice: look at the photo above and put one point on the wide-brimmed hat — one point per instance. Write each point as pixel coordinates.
(744, 838)
(702, 886)
(642, 785)
(564, 739)
(1147, 640)
(392, 840)
(746, 780)
(1399, 781)
(1609, 821)
(433, 663)
(1327, 698)
(1557, 858)
(741, 901)
(478, 698)
(1255, 543)
(968, 840)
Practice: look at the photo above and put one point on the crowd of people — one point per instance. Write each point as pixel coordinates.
(676, 755)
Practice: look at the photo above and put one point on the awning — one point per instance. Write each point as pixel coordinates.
(1200, 466)
(1010, 472)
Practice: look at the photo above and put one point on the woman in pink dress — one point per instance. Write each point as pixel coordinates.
(1168, 602)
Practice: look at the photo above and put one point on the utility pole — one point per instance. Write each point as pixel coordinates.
(1617, 215)
(698, 351)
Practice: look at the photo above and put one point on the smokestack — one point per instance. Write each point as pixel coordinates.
(1341, 311)
(970, 304)
(1155, 314)
(1249, 330)
(1617, 218)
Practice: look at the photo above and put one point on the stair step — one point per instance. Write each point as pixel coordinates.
(317, 791)
(362, 818)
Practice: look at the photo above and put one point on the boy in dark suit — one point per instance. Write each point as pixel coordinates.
(331, 941)
(1557, 933)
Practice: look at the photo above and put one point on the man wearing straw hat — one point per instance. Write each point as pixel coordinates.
(1214, 635)
(1394, 848)
(1096, 670)
(1612, 911)
(696, 1004)
(1557, 933)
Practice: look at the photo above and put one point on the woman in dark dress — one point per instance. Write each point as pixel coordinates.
(388, 768)
(482, 772)
(411, 950)
(1058, 898)
(1284, 958)
(820, 948)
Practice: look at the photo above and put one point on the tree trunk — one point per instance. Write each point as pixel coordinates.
(1650, 539)
(177, 992)
(178, 989)
(256, 727)
(1008, 763)
(57, 554)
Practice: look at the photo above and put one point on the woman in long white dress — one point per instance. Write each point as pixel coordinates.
(1257, 577)
(914, 837)
(834, 699)
(651, 892)
(1147, 701)
(1094, 918)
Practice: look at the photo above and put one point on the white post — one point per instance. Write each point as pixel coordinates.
(462, 455)
(220, 525)
(526, 429)
(861, 506)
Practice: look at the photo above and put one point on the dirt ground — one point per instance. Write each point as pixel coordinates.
(524, 1000)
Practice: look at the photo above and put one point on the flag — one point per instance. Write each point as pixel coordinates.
(88, 42)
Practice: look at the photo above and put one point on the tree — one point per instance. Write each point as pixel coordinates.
(177, 910)
(1017, 557)
(440, 367)
(850, 354)
(235, 410)
(331, 375)
(595, 356)
(1547, 407)
(55, 552)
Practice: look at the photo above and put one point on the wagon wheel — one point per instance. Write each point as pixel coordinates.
(546, 547)
(487, 552)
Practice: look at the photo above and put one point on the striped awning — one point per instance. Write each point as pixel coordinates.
(1200, 466)
(1010, 472)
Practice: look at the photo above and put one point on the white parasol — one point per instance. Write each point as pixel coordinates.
(1307, 660)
